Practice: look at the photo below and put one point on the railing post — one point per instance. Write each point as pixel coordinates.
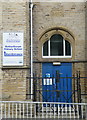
(86, 111)
(0, 110)
(57, 81)
(34, 87)
(79, 87)
(79, 93)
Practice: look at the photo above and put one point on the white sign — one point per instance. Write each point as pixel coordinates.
(13, 49)
(47, 81)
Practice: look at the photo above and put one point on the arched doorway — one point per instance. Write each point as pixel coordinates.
(57, 86)
(57, 50)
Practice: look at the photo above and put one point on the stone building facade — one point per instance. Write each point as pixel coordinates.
(49, 18)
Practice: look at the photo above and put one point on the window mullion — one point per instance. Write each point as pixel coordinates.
(49, 48)
(63, 47)
(71, 50)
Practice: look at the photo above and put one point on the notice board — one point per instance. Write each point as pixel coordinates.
(13, 49)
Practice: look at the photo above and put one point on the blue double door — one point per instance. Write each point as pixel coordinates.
(57, 82)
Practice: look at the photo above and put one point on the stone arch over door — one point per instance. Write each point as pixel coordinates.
(67, 35)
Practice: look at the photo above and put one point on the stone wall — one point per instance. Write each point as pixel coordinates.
(69, 16)
(0, 49)
(15, 18)
(14, 84)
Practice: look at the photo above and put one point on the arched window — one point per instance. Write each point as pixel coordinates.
(56, 47)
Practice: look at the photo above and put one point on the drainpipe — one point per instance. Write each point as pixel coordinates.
(31, 36)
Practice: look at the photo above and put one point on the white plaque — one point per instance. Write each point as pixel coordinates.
(13, 49)
(47, 81)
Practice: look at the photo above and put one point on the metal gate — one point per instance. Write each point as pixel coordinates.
(42, 96)
(55, 91)
(46, 90)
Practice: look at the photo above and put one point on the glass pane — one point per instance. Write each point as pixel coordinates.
(45, 49)
(56, 45)
(67, 48)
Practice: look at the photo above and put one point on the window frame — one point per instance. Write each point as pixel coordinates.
(64, 56)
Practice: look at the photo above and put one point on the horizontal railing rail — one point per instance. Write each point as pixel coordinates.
(42, 102)
(26, 109)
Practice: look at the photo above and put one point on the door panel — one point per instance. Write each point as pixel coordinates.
(58, 86)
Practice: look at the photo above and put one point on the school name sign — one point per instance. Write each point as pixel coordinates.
(13, 49)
